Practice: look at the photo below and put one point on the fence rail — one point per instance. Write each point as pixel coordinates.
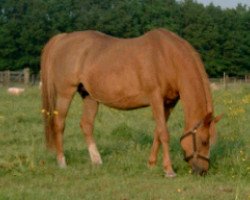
(227, 81)
(8, 77)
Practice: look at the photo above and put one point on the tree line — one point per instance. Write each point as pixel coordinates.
(221, 36)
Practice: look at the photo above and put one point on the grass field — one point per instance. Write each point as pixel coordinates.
(29, 171)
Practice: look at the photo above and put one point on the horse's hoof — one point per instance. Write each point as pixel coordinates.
(62, 166)
(170, 174)
(95, 155)
(151, 164)
(62, 163)
(96, 161)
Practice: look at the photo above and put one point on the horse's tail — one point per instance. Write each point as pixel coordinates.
(48, 92)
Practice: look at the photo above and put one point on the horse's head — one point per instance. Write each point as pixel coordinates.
(196, 143)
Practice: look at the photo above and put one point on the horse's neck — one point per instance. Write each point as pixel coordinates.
(196, 100)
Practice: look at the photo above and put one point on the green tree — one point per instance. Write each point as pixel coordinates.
(221, 36)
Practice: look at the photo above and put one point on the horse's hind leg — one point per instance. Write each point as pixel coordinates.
(62, 106)
(90, 108)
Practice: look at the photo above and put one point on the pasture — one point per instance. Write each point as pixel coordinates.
(124, 138)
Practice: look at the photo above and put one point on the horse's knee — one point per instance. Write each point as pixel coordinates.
(164, 137)
(162, 134)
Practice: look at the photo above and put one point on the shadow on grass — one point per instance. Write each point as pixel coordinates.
(126, 133)
(76, 156)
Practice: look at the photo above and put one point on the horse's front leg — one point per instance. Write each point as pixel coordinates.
(156, 142)
(161, 135)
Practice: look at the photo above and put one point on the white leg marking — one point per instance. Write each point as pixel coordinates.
(94, 154)
(170, 174)
(61, 162)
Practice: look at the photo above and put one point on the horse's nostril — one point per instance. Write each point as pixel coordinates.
(199, 171)
(203, 173)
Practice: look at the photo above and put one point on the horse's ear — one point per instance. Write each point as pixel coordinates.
(208, 119)
(218, 118)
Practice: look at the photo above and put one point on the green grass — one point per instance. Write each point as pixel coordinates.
(29, 171)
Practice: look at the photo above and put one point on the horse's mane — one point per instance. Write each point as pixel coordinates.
(199, 68)
(204, 78)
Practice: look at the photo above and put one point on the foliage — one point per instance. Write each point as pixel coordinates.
(124, 138)
(222, 36)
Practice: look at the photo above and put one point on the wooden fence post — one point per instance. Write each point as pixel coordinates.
(6, 79)
(26, 73)
(225, 77)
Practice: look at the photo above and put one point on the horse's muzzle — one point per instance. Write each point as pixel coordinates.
(199, 171)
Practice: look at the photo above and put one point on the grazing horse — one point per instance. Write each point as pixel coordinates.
(156, 69)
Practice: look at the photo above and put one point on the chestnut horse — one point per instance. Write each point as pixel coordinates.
(156, 69)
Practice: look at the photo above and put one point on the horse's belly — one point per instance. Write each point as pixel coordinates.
(121, 98)
(127, 102)
(116, 88)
